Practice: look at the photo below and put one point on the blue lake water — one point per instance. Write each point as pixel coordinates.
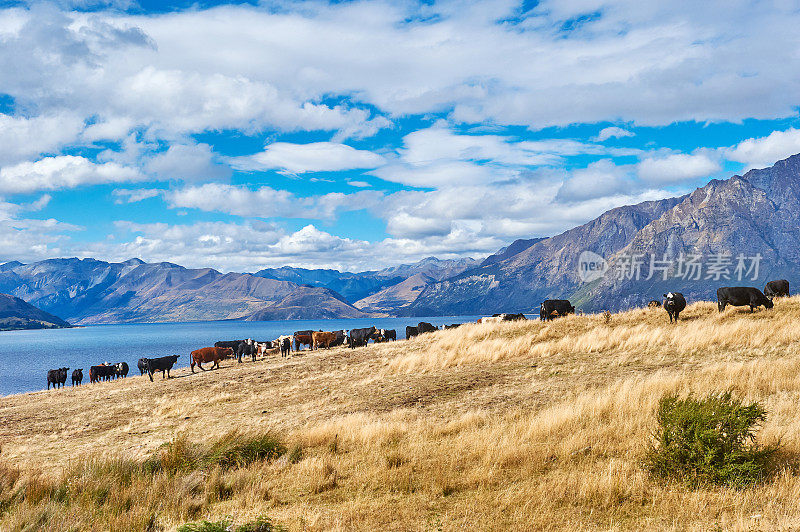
(25, 356)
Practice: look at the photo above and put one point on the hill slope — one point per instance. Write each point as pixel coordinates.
(17, 314)
(510, 426)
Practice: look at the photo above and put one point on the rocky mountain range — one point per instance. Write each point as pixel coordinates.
(17, 314)
(742, 231)
(89, 291)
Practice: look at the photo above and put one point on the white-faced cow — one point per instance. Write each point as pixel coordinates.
(674, 303)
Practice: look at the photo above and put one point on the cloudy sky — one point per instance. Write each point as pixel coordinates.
(357, 135)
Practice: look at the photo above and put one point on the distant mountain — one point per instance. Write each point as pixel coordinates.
(396, 297)
(305, 305)
(750, 215)
(91, 291)
(357, 286)
(17, 314)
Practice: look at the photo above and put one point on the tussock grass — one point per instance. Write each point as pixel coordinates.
(510, 426)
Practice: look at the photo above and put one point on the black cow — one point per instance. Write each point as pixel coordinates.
(777, 289)
(359, 337)
(742, 296)
(102, 372)
(56, 377)
(245, 349)
(552, 308)
(411, 332)
(121, 369)
(341, 338)
(142, 365)
(453, 326)
(424, 327)
(233, 344)
(162, 364)
(674, 303)
(389, 334)
(77, 377)
(286, 346)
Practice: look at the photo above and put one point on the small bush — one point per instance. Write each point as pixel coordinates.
(709, 441)
(206, 526)
(236, 450)
(295, 455)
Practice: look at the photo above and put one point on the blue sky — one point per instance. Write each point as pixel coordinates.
(358, 135)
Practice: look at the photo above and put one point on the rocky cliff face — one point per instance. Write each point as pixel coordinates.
(750, 215)
(17, 314)
(91, 291)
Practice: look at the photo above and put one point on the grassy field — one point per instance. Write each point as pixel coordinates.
(513, 426)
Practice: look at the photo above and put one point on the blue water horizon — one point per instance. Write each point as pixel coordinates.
(27, 355)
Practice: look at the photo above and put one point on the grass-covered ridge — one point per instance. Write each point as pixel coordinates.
(499, 426)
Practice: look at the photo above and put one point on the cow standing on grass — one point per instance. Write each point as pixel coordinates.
(411, 332)
(77, 377)
(674, 303)
(162, 364)
(209, 354)
(56, 377)
(742, 296)
(552, 308)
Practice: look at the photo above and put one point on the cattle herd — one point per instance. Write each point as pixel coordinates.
(673, 302)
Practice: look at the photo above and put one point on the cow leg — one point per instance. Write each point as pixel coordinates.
(168, 375)
(192, 366)
(200, 365)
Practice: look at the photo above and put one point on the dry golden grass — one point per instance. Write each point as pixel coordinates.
(512, 426)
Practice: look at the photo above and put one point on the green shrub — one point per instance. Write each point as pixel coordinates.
(709, 441)
(236, 450)
(206, 526)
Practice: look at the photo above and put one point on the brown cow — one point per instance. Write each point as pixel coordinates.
(321, 338)
(209, 354)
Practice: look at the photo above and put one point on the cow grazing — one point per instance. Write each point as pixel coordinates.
(142, 365)
(121, 369)
(162, 364)
(552, 308)
(453, 326)
(56, 377)
(389, 334)
(777, 289)
(359, 337)
(209, 354)
(513, 317)
(411, 332)
(303, 338)
(742, 296)
(654, 303)
(322, 339)
(490, 319)
(77, 377)
(674, 303)
(424, 327)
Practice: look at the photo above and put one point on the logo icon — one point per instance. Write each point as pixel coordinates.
(591, 266)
